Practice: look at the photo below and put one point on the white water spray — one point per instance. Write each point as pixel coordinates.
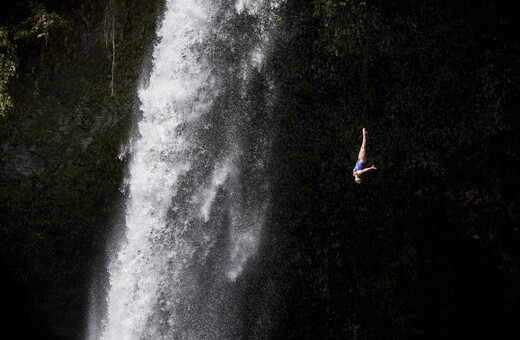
(194, 215)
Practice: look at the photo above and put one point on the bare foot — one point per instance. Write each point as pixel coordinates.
(364, 131)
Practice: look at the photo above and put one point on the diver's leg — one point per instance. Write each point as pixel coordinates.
(361, 155)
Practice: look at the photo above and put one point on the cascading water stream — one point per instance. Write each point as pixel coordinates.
(197, 186)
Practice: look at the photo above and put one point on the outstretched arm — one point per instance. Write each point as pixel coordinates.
(360, 172)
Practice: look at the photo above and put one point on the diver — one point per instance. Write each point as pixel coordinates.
(358, 169)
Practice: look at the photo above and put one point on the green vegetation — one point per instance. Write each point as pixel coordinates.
(7, 70)
(40, 24)
(37, 28)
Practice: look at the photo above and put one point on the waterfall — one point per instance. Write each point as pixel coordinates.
(197, 188)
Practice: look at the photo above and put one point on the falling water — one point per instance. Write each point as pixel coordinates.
(197, 188)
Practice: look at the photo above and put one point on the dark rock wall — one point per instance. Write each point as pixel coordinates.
(60, 170)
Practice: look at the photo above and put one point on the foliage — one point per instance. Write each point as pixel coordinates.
(41, 25)
(8, 65)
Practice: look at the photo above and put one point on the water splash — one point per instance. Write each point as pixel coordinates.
(197, 187)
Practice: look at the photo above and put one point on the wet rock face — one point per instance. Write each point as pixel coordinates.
(28, 163)
(24, 163)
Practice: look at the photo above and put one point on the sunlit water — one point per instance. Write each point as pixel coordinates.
(198, 190)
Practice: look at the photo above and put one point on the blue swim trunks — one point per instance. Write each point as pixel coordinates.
(359, 166)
